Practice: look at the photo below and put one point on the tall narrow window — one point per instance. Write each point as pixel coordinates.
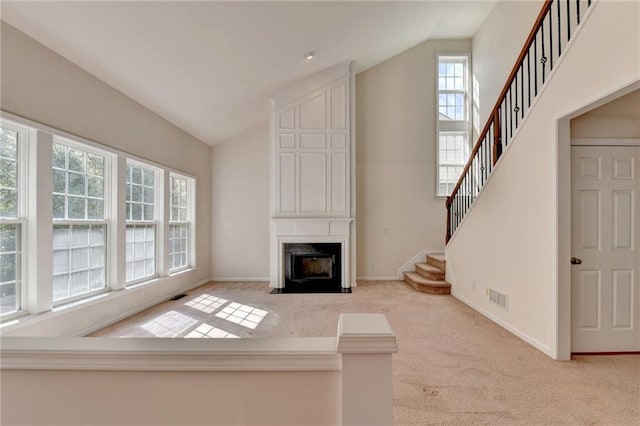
(141, 223)
(11, 219)
(453, 119)
(79, 225)
(180, 192)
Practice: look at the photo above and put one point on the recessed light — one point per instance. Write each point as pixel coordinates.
(309, 55)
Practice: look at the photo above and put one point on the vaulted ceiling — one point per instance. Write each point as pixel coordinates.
(210, 67)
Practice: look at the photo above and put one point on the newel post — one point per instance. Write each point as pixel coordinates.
(366, 343)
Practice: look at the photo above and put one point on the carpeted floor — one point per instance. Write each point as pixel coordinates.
(453, 367)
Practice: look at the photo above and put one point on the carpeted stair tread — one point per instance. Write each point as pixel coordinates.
(430, 272)
(437, 260)
(420, 283)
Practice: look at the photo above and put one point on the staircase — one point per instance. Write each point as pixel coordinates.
(538, 58)
(429, 277)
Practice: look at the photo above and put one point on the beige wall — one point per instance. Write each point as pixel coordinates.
(510, 239)
(170, 398)
(397, 212)
(240, 206)
(44, 87)
(495, 49)
(617, 119)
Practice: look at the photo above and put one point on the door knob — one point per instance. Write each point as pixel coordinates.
(576, 261)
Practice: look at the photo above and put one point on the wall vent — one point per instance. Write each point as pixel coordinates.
(498, 298)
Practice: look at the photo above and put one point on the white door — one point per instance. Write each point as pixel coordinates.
(604, 278)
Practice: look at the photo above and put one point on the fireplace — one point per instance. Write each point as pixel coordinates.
(312, 146)
(314, 266)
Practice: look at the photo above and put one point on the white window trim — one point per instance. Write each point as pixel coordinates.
(109, 160)
(37, 273)
(191, 255)
(156, 222)
(24, 134)
(451, 125)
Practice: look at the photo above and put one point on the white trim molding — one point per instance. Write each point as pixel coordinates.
(605, 142)
(309, 231)
(365, 333)
(240, 279)
(152, 354)
(533, 342)
(366, 342)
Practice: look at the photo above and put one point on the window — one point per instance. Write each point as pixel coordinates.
(79, 225)
(453, 120)
(180, 222)
(11, 218)
(141, 226)
(90, 243)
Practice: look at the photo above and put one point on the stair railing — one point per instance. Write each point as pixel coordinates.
(550, 34)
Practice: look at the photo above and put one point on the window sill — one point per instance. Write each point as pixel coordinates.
(182, 270)
(142, 282)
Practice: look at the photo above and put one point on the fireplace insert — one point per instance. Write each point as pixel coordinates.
(313, 266)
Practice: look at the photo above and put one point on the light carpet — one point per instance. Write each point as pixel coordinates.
(454, 366)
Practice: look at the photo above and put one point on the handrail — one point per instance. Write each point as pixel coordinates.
(503, 119)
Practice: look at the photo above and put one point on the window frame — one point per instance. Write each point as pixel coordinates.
(157, 190)
(35, 192)
(190, 222)
(24, 133)
(106, 222)
(453, 126)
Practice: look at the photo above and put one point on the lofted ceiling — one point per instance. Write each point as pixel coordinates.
(210, 67)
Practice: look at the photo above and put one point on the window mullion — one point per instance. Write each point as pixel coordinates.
(39, 245)
(117, 213)
(163, 215)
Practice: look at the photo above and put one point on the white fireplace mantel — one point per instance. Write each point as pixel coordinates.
(313, 168)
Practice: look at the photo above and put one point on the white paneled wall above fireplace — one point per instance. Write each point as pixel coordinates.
(312, 164)
(312, 170)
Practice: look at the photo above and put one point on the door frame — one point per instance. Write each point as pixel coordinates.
(561, 293)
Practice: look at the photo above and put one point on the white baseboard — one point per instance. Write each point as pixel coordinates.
(377, 278)
(418, 258)
(235, 279)
(519, 333)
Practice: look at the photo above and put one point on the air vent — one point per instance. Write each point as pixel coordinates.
(498, 298)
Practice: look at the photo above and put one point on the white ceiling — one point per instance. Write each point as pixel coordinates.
(210, 67)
